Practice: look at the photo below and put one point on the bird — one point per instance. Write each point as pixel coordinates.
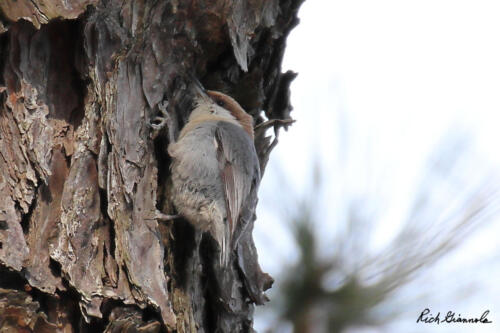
(214, 168)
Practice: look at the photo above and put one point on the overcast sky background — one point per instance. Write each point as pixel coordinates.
(381, 84)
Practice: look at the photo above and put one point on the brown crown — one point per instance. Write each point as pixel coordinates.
(236, 110)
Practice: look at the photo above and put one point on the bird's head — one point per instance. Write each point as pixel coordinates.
(216, 105)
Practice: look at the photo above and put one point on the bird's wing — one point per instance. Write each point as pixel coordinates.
(239, 168)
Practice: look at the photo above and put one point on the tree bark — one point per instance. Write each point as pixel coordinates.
(81, 174)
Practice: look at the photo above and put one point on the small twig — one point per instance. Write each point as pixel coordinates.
(274, 122)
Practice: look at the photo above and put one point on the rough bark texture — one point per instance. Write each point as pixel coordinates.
(81, 175)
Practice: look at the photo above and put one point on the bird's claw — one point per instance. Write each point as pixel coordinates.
(162, 106)
(159, 122)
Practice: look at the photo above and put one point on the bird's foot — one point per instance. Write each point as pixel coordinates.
(162, 120)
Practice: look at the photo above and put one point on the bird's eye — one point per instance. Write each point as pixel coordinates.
(220, 103)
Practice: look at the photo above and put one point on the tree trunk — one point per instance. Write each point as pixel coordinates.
(81, 174)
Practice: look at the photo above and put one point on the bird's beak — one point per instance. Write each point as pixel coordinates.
(198, 89)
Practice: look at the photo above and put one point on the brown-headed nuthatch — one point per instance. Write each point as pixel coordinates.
(214, 167)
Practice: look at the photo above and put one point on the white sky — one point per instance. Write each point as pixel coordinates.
(380, 83)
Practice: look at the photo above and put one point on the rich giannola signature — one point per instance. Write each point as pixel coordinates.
(451, 317)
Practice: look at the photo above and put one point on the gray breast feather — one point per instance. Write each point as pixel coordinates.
(194, 155)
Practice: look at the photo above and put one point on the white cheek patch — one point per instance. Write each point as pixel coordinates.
(224, 113)
(216, 144)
